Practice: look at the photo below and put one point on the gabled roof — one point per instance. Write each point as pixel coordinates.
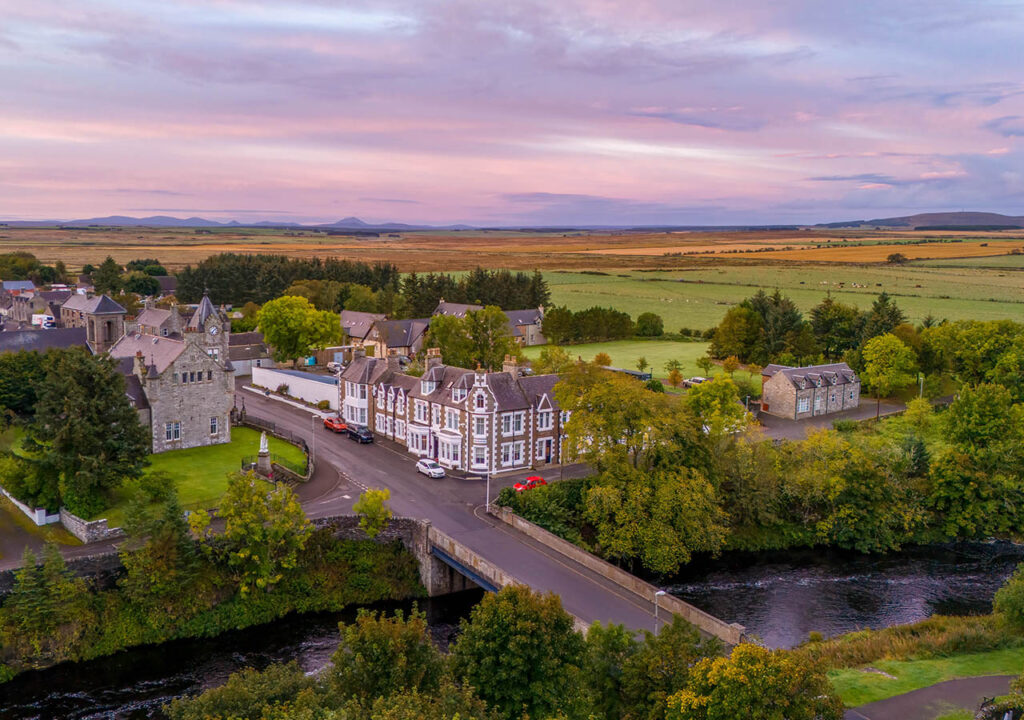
(41, 340)
(507, 393)
(357, 324)
(530, 316)
(365, 370)
(96, 305)
(153, 317)
(168, 284)
(10, 285)
(205, 310)
(459, 310)
(815, 375)
(245, 338)
(401, 333)
(158, 351)
(537, 386)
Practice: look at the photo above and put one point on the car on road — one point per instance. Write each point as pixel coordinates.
(429, 468)
(360, 433)
(529, 483)
(335, 367)
(335, 424)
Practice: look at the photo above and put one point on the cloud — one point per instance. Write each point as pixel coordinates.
(1007, 126)
(397, 201)
(733, 119)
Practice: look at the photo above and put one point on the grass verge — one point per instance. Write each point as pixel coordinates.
(47, 533)
(857, 686)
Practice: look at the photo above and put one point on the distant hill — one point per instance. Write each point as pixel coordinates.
(936, 220)
(349, 223)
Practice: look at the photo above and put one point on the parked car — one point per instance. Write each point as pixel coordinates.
(335, 423)
(530, 483)
(360, 433)
(695, 381)
(335, 367)
(429, 468)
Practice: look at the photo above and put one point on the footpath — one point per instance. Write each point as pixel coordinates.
(935, 700)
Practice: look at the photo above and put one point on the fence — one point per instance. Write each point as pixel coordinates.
(249, 462)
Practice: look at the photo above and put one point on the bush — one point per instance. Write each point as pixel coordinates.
(323, 405)
(649, 324)
(1009, 600)
(282, 389)
(845, 425)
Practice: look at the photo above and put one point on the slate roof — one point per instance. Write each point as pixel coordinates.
(245, 338)
(401, 333)
(247, 346)
(506, 391)
(530, 316)
(11, 285)
(158, 351)
(357, 324)
(457, 309)
(536, 386)
(168, 284)
(96, 305)
(153, 317)
(133, 389)
(54, 296)
(364, 370)
(41, 340)
(205, 310)
(814, 375)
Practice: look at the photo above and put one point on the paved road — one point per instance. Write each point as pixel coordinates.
(786, 429)
(931, 702)
(454, 505)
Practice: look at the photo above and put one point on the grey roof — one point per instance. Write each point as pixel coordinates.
(168, 284)
(18, 285)
(41, 340)
(245, 338)
(247, 346)
(158, 351)
(357, 324)
(401, 333)
(506, 391)
(133, 389)
(457, 309)
(54, 296)
(531, 316)
(96, 305)
(815, 375)
(325, 379)
(205, 310)
(153, 317)
(364, 370)
(537, 386)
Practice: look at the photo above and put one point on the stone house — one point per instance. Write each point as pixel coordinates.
(472, 421)
(396, 337)
(357, 325)
(185, 380)
(523, 325)
(102, 318)
(247, 351)
(804, 392)
(27, 304)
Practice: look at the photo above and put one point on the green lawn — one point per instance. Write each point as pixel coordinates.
(699, 298)
(857, 687)
(201, 474)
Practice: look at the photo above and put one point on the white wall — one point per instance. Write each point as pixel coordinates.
(309, 390)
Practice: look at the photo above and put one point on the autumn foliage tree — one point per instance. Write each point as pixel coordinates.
(294, 328)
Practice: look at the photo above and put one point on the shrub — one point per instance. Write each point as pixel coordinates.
(845, 425)
(282, 389)
(1009, 600)
(649, 324)
(603, 359)
(323, 405)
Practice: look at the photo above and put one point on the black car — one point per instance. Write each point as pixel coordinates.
(360, 433)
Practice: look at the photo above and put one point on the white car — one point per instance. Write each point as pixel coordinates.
(430, 468)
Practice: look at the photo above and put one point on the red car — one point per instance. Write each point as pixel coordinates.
(530, 483)
(335, 423)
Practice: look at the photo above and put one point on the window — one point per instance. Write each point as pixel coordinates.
(213, 352)
(192, 376)
(517, 452)
(164, 332)
(172, 431)
(832, 397)
(400, 405)
(362, 416)
(184, 378)
(512, 423)
(481, 401)
(400, 428)
(851, 394)
(803, 404)
(380, 420)
(209, 375)
(175, 378)
(544, 420)
(435, 415)
(420, 411)
(506, 453)
(213, 426)
(451, 419)
(362, 392)
(380, 400)
(479, 455)
(259, 362)
(479, 426)
(427, 387)
(459, 394)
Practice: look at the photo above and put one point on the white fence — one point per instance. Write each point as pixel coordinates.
(37, 515)
(302, 385)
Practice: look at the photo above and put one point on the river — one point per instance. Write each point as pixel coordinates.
(135, 684)
(779, 597)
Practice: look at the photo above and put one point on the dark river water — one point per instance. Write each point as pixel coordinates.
(779, 597)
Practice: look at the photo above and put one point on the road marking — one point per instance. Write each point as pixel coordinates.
(347, 497)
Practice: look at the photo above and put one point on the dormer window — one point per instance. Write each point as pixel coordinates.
(459, 394)
(427, 387)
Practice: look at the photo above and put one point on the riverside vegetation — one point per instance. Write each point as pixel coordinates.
(180, 580)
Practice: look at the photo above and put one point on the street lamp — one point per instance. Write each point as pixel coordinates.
(657, 597)
(487, 502)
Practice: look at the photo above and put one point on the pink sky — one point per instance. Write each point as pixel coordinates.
(469, 111)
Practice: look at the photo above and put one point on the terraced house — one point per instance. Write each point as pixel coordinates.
(466, 420)
(803, 392)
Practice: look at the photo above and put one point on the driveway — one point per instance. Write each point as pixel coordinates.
(931, 702)
(13, 537)
(785, 429)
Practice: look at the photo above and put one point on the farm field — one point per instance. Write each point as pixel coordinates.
(699, 298)
(1009, 262)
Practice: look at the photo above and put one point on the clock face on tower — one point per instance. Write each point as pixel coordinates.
(214, 330)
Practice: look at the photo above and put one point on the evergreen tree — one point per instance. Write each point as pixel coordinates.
(883, 317)
(107, 278)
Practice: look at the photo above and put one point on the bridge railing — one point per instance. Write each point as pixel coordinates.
(731, 633)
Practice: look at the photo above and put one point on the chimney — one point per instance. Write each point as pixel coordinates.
(511, 365)
(139, 366)
(393, 364)
(433, 357)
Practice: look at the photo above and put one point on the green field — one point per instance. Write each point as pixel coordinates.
(857, 686)
(625, 353)
(1012, 262)
(699, 298)
(201, 474)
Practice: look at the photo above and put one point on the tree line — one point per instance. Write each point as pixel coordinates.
(681, 476)
(518, 656)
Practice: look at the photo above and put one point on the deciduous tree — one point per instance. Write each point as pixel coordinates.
(373, 510)
(294, 328)
(888, 366)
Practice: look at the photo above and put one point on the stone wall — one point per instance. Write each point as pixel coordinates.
(89, 532)
(104, 569)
